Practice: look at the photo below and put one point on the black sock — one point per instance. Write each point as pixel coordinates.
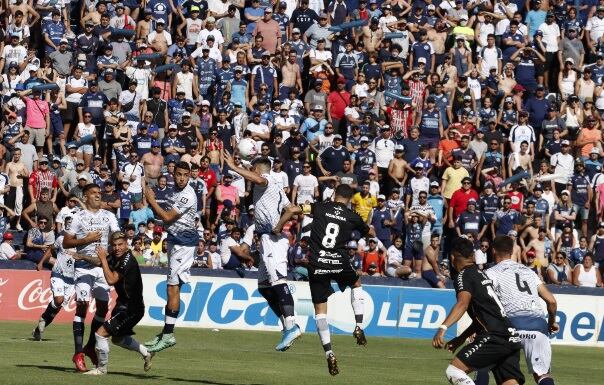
(50, 313)
(482, 377)
(286, 301)
(171, 316)
(78, 335)
(546, 381)
(94, 326)
(271, 297)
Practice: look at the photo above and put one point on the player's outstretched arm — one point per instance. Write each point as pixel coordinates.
(463, 301)
(552, 306)
(166, 216)
(288, 213)
(245, 173)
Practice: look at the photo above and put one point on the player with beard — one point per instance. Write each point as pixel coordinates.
(496, 344)
(182, 241)
(330, 231)
(90, 227)
(121, 271)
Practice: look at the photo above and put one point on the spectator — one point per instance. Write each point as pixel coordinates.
(559, 273)
(586, 274)
(7, 252)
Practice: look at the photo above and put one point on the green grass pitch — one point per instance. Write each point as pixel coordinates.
(226, 357)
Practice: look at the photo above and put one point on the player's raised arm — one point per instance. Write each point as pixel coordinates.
(254, 177)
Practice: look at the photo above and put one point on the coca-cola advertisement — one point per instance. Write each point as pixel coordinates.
(24, 294)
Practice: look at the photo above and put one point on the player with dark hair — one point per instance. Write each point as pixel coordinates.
(496, 344)
(330, 231)
(61, 283)
(520, 290)
(182, 242)
(121, 271)
(90, 227)
(269, 202)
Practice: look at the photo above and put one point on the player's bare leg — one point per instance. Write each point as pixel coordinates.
(102, 350)
(357, 300)
(47, 317)
(166, 338)
(324, 336)
(97, 321)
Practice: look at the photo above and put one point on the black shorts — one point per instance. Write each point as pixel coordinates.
(319, 281)
(71, 113)
(123, 320)
(497, 353)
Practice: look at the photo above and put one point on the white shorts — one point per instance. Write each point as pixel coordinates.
(62, 287)
(86, 149)
(90, 282)
(180, 259)
(273, 264)
(537, 351)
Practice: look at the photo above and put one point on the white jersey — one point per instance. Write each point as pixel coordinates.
(65, 264)
(86, 221)
(182, 231)
(516, 285)
(269, 202)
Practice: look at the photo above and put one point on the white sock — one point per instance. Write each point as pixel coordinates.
(323, 330)
(102, 350)
(132, 344)
(457, 376)
(357, 300)
(289, 322)
(282, 319)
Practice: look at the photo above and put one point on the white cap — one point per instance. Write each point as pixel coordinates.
(419, 165)
(382, 197)
(160, 21)
(364, 139)
(205, 103)
(463, 17)
(296, 30)
(352, 244)
(569, 59)
(318, 107)
(431, 7)
(421, 60)
(399, 147)
(565, 192)
(512, 233)
(595, 151)
(566, 142)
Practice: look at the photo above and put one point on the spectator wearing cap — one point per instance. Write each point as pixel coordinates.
(133, 172)
(172, 146)
(13, 53)
(53, 31)
(319, 32)
(593, 165)
(339, 99)
(270, 31)
(315, 97)
(595, 28)
(380, 217)
(109, 86)
(314, 125)
(210, 30)
(122, 20)
(571, 47)
(228, 25)
(589, 136)
(303, 17)
(563, 164)
(422, 49)
(38, 118)
(62, 59)
(264, 75)
(160, 38)
(363, 160)
(581, 193)
(331, 159)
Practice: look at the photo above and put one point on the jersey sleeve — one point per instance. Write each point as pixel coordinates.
(113, 224)
(464, 282)
(360, 225)
(76, 225)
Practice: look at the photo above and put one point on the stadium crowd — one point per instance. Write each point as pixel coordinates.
(426, 107)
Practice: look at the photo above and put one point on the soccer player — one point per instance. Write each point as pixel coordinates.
(496, 343)
(519, 289)
(330, 231)
(90, 227)
(122, 272)
(182, 241)
(269, 202)
(61, 283)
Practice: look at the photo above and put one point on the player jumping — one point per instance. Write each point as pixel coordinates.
(520, 289)
(496, 343)
(182, 240)
(330, 231)
(61, 283)
(90, 227)
(269, 202)
(122, 272)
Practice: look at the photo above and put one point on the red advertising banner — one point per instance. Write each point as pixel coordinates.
(24, 294)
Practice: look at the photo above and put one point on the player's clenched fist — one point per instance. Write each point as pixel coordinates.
(102, 253)
(438, 342)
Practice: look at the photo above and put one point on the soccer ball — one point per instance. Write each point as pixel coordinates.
(247, 148)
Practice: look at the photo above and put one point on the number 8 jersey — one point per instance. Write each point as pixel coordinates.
(330, 230)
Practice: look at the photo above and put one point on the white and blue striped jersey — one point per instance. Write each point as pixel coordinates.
(517, 285)
(183, 231)
(65, 264)
(269, 202)
(86, 221)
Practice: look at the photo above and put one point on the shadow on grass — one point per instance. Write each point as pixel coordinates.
(72, 370)
(208, 382)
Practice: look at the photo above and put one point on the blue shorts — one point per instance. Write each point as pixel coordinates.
(413, 254)
(431, 142)
(430, 277)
